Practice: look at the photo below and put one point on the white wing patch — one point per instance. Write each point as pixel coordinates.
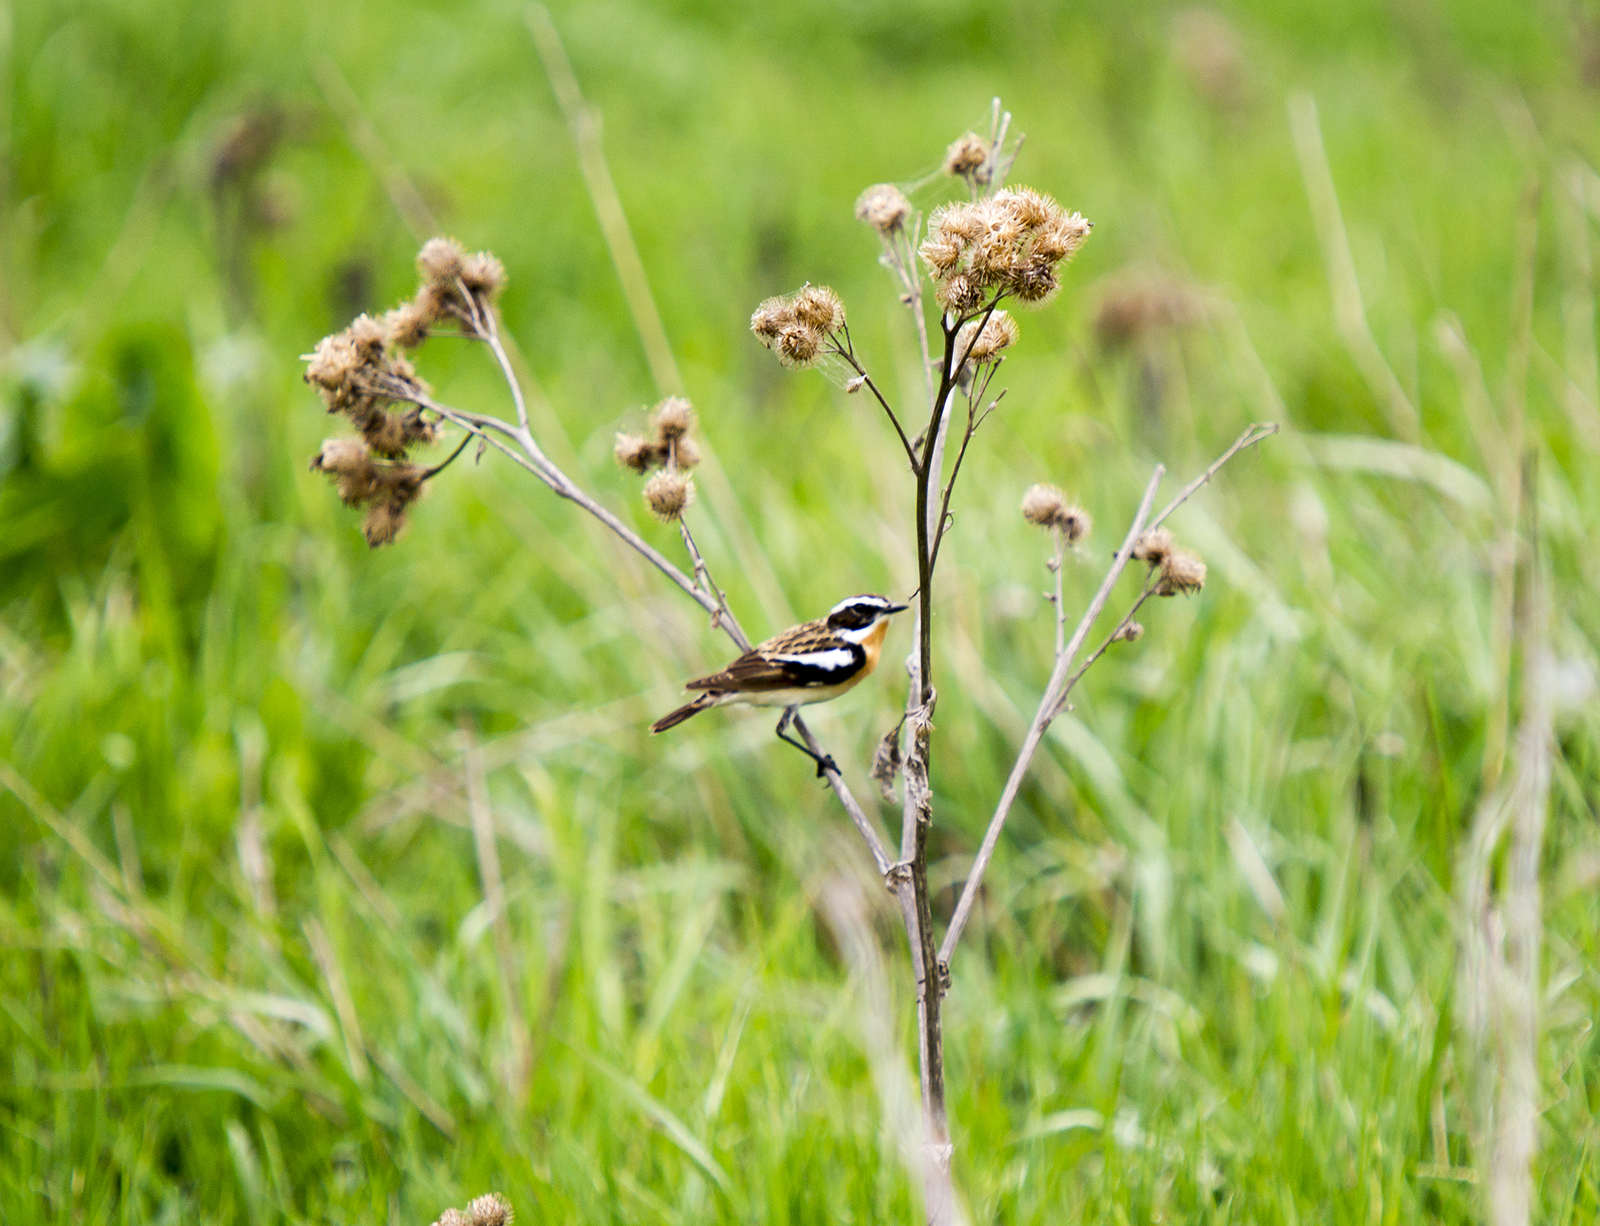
(834, 660)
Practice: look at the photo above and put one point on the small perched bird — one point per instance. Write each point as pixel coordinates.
(811, 662)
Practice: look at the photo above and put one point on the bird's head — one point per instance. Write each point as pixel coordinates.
(858, 616)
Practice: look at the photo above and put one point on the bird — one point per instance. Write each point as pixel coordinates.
(811, 662)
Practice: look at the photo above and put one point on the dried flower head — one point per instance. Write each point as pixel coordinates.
(886, 764)
(483, 275)
(1048, 507)
(798, 326)
(453, 1217)
(1041, 504)
(1154, 546)
(672, 419)
(409, 322)
(639, 454)
(685, 452)
(1130, 633)
(999, 334)
(966, 155)
(818, 307)
(884, 207)
(440, 260)
(490, 1210)
(349, 461)
(669, 495)
(798, 345)
(1182, 572)
(1012, 242)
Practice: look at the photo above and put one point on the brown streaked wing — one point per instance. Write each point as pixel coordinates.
(750, 671)
(754, 671)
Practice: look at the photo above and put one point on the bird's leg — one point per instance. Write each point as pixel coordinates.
(824, 763)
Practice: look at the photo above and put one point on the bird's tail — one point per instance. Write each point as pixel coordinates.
(684, 712)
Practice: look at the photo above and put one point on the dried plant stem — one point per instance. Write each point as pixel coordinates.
(494, 897)
(516, 442)
(1041, 722)
(1057, 561)
(1063, 677)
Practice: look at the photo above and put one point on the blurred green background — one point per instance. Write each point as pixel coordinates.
(246, 968)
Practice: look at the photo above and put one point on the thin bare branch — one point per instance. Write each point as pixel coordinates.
(1041, 723)
(1254, 433)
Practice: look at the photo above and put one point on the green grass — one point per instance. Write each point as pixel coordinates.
(193, 636)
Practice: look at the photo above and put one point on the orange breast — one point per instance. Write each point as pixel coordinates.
(873, 645)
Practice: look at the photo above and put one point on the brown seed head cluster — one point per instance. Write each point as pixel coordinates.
(361, 374)
(1048, 507)
(998, 335)
(358, 375)
(1130, 633)
(669, 444)
(968, 158)
(797, 327)
(884, 207)
(669, 448)
(1012, 242)
(490, 1210)
(387, 488)
(1177, 571)
(1182, 574)
(669, 494)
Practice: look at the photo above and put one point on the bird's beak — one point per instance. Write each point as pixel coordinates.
(898, 608)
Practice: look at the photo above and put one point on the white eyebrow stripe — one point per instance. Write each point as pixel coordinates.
(834, 659)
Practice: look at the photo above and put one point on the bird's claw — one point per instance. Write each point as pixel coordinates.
(826, 764)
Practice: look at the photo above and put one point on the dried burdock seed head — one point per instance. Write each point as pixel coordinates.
(884, 207)
(960, 293)
(453, 1217)
(685, 454)
(798, 345)
(797, 327)
(368, 336)
(490, 1210)
(332, 366)
(349, 461)
(1131, 633)
(639, 454)
(886, 764)
(1154, 546)
(966, 155)
(1048, 507)
(408, 323)
(672, 419)
(1182, 573)
(1075, 523)
(998, 335)
(1034, 283)
(770, 319)
(819, 308)
(1042, 504)
(669, 495)
(483, 274)
(441, 261)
